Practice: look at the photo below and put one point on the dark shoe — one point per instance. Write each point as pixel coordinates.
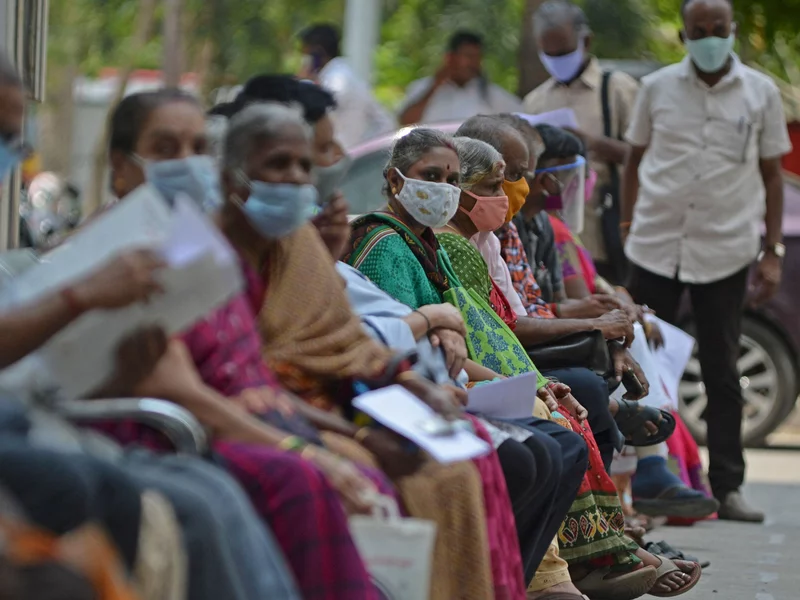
(735, 508)
(679, 501)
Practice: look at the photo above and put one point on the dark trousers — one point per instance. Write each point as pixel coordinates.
(591, 391)
(558, 459)
(717, 309)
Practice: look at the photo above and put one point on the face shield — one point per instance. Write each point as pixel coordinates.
(565, 189)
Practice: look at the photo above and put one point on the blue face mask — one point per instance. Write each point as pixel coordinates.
(9, 158)
(277, 209)
(196, 176)
(710, 54)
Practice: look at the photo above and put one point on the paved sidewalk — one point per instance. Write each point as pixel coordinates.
(751, 562)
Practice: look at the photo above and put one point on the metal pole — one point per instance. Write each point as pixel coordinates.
(362, 23)
(173, 59)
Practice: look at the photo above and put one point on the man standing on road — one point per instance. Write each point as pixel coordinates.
(459, 90)
(602, 102)
(358, 117)
(707, 136)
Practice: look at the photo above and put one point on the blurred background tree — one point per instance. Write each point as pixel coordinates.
(225, 42)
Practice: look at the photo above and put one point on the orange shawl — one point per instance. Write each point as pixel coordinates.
(311, 336)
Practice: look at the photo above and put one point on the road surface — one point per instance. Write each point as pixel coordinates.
(751, 562)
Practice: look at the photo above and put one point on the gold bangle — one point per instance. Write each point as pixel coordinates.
(362, 434)
(406, 376)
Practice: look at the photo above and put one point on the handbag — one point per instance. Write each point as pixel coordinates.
(397, 551)
(586, 350)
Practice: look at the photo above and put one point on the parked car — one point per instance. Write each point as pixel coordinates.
(770, 343)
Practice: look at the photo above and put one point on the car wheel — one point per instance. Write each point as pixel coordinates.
(767, 377)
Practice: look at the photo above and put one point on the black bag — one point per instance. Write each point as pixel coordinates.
(610, 199)
(586, 350)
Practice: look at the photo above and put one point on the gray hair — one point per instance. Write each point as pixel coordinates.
(478, 160)
(410, 148)
(256, 124)
(558, 13)
(489, 129)
(536, 146)
(216, 130)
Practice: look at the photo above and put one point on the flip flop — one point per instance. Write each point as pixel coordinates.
(667, 567)
(625, 587)
(662, 548)
(632, 417)
(675, 502)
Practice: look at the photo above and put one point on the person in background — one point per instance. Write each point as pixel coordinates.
(358, 116)
(707, 137)
(564, 39)
(458, 90)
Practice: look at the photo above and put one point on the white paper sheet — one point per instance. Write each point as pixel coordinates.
(511, 398)
(642, 353)
(673, 356)
(562, 117)
(202, 274)
(402, 412)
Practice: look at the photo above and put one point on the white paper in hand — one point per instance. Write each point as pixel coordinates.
(202, 274)
(511, 398)
(402, 412)
(673, 356)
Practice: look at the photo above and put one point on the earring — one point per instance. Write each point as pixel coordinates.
(394, 190)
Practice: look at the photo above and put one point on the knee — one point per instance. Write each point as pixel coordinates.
(519, 468)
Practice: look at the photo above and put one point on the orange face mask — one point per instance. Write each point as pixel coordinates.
(517, 192)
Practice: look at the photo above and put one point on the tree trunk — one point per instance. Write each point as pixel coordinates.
(531, 71)
(142, 34)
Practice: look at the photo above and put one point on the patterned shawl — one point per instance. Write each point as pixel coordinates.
(367, 231)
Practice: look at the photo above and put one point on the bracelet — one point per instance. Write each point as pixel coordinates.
(72, 302)
(362, 434)
(427, 320)
(292, 443)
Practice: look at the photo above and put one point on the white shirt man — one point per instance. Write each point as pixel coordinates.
(459, 90)
(701, 196)
(704, 171)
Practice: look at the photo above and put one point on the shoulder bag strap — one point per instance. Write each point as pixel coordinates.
(605, 98)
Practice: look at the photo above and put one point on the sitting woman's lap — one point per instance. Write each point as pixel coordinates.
(306, 517)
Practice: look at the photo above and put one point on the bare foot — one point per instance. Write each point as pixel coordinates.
(672, 581)
(561, 588)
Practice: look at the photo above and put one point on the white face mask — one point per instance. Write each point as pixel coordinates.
(430, 204)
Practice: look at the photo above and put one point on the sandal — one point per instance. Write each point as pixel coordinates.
(667, 567)
(662, 548)
(632, 417)
(625, 587)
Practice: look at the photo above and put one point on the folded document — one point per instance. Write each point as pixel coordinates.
(404, 413)
(202, 273)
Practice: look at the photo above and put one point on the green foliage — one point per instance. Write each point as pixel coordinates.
(252, 36)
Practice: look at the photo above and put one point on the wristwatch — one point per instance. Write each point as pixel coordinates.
(778, 249)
